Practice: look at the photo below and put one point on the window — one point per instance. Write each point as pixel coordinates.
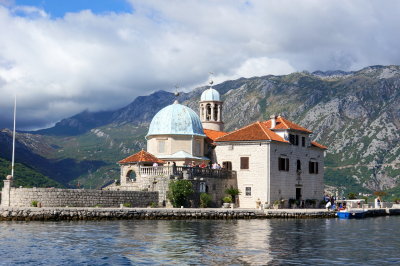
(313, 167)
(202, 188)
(216, 112)
(227, 165)
(298, 165)
(303, 141)
(248, 191)
(161, 146)
(294, 139)
(131, 175)
(208, 112)
(283, 164)
(244, 163)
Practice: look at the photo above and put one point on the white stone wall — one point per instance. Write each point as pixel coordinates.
(255, 177)
(283, 184)
(267, 182)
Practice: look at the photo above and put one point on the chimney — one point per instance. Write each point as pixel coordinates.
(273, 121)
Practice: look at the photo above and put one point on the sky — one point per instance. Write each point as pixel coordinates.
(63, 57)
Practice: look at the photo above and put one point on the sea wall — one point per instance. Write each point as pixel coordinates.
(57, 214)
(82, 213)
(53, 197)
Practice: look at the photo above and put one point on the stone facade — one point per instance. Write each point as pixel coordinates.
(52, 197)
(263, 181)
(149, 178)
(164, 147)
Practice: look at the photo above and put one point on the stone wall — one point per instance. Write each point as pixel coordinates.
(264, 180)
(53, 197)
(256, 177)
(57, 214)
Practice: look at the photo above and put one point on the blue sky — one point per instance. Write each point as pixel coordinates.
(58, 8)
(61, 59)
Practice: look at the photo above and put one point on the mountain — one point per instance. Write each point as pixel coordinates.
(25, 176)
(356, 114)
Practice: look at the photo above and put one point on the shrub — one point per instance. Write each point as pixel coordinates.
(380, 193)
(205, 200)
(179, 191)
(233, 192)
(34, 203)
(311, 202)
(352, 195)
(227, 199)
(291, 202)
(127, 204)
(153, 205)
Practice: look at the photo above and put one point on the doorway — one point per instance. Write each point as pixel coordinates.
(298, 193)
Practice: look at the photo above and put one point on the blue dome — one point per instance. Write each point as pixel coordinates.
(210, 95)
(176, 119)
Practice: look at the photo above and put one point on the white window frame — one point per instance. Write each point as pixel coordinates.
(251, 191)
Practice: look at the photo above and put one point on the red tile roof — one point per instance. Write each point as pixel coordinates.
(316, 144)
(255, 131)
(214, 134)
(142, 156)
(282, 123)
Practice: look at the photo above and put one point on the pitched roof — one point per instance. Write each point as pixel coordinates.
(283, 123)
(316, 144)
(214, 134)
(255, 131)
(142, 156)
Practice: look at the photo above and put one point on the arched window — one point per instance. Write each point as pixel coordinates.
(216, 112)
(131, 175)
(208, 112)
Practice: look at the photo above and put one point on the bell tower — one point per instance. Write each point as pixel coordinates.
(211, 109)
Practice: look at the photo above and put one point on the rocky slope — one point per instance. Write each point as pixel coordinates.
(356, 114)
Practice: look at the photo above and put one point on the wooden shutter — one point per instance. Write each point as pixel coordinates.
(244, 162)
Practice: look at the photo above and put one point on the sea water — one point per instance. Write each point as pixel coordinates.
(369, 241)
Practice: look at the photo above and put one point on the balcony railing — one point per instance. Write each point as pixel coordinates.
(182, 171)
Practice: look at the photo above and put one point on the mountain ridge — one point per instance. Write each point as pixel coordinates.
(356, 113)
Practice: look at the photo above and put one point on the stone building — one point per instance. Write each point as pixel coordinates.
(268, 161)
(275, 160)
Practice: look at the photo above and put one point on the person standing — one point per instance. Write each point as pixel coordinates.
(174, 168)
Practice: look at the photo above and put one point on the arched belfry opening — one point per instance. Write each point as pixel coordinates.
(211, 109)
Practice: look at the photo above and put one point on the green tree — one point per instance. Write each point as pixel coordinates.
(233, 192)
(179, 191)
(205, 200)
(352, 195)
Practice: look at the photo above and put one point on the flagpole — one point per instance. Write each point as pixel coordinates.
(13, 147)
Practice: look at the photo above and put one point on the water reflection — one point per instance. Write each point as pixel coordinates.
(312, 241)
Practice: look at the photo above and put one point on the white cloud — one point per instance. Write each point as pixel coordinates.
(256, 67)
(62, 66)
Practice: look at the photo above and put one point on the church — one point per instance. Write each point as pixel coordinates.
(268, 161)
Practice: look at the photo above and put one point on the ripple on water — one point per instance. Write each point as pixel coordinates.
(368, 241)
